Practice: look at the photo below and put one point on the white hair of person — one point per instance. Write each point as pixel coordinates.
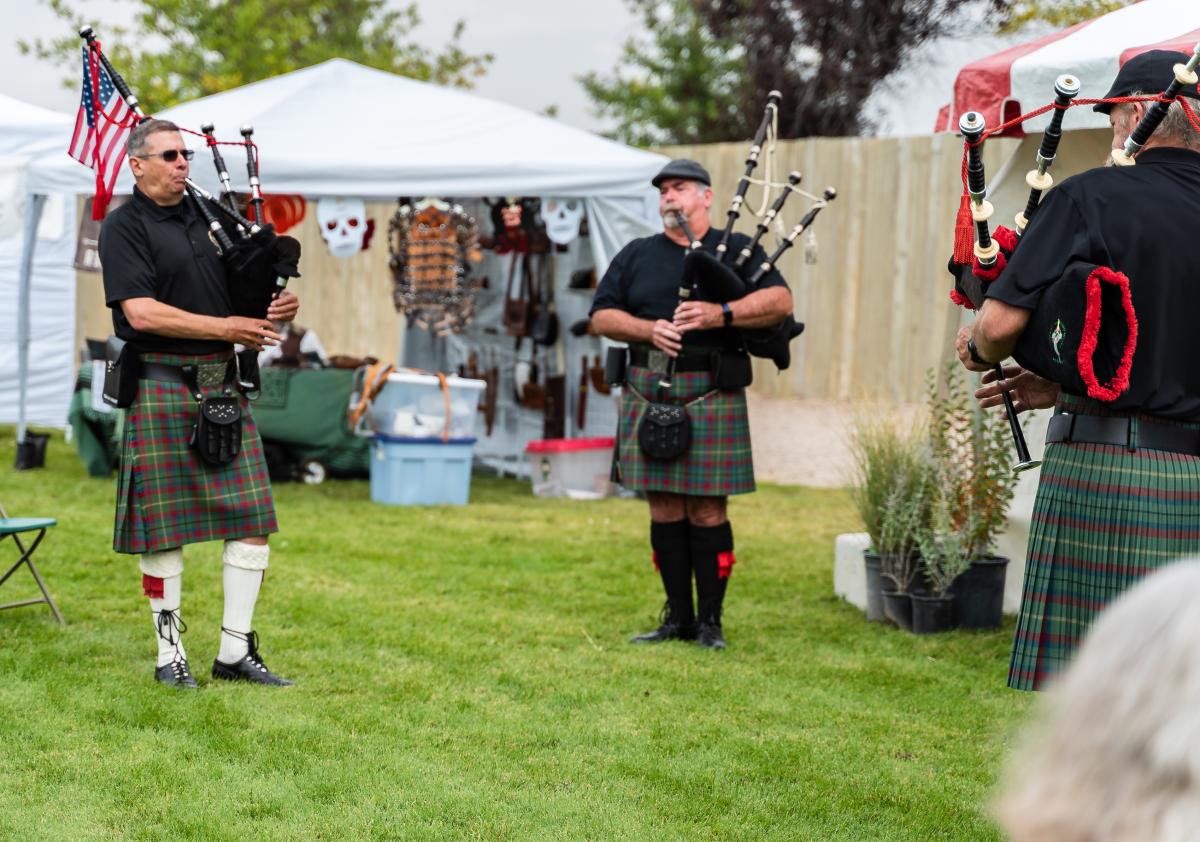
(1175, 127)
(1115, 756)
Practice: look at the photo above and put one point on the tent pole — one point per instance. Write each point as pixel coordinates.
(33, 215)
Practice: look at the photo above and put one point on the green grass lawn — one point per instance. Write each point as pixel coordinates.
(463, 674)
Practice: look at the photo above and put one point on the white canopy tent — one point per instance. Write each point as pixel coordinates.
(341, 129)
(40, 329)
(1021, 79)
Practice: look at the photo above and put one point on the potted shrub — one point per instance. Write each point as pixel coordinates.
(905, 512)
(878, 447)
(944, 542)
(973, 452)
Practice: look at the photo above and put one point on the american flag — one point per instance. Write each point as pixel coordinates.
(99, 140)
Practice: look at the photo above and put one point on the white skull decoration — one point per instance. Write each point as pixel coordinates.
(562, 218)
(343, 224)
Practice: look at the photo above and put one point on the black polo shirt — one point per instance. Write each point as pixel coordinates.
(643, 280)
(1140, 220)
(164, 253)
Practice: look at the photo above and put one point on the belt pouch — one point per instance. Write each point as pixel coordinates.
(121, 370)
(217, 433)
(614, 366)
(665, 431)
(733, 371)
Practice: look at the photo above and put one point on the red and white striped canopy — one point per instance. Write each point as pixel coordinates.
(1021, 78)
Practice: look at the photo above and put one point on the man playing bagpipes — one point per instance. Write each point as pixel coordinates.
(684, 436)
(1099, 304)
(192, 466)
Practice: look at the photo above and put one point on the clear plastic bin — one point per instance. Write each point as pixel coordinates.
(412, 405)
(421, 472)
(574, 468)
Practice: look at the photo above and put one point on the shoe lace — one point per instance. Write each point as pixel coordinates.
(251, 639)
(179, 668)
(170, 627)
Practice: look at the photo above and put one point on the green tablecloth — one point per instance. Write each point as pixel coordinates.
(305, 410)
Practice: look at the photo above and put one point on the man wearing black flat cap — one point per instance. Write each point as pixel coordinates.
(1119, 491)
(637, 301)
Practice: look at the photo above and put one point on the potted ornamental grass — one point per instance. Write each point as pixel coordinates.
(972, 451)
(882, 450)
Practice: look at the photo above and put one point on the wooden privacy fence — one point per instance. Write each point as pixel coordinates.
(876, 302)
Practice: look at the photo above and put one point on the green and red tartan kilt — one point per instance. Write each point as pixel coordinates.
(1104, 518)
(719, 461)
(167, 496)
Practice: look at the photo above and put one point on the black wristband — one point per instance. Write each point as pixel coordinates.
(974, 353)
(728, 313)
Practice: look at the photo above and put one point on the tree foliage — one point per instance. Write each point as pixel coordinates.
(178, 50)
(678, 83)
(1058, 13)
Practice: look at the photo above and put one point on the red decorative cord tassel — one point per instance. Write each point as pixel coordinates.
(964, 233)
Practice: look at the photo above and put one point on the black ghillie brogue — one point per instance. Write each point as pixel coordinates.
(176, 674)
(250, 668)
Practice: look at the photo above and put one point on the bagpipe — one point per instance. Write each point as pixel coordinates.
(258, 261)
(713, 277)
(1083, 333)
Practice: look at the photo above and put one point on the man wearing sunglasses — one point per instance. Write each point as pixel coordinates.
(169, 294)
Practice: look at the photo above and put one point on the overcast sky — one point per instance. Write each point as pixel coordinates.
(540, 46)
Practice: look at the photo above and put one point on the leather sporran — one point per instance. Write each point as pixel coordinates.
(217, 435)
(122, 366)
(665, 432)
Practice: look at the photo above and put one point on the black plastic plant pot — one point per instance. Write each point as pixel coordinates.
(897, 606)
(31, 453)
(873, 563)
(932, 614)
(979, 594)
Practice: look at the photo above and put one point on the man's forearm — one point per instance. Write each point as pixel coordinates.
(621, 326)
(762, 308)
(150, 316)
(997, 328)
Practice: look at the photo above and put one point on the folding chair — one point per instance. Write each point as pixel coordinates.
(13, 527)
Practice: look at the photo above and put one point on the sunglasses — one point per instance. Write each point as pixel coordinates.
(171, 155)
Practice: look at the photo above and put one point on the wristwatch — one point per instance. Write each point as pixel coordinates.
(974, 353)
(728, 313)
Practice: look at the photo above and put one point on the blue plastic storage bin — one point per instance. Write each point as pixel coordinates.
(421, 472)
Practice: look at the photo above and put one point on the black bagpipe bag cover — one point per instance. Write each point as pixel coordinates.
(1083, 335)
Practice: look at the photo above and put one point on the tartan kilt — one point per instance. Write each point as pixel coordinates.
(167, 496)
(718, 462)
(1104, 518)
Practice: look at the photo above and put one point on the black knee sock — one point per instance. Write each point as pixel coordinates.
(672, 557)
(712, 559)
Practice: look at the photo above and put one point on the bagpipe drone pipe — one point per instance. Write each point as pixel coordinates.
(712, 277)
(258, 261)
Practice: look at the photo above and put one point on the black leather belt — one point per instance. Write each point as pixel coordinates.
(1132, 434)
(641, 357)
(158, 371)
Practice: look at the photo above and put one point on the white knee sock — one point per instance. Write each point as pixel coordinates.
(162, 573)
(244, 569)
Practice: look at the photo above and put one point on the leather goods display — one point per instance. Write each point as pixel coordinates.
(431, 244)
(544, 330)
(518, 308)
(121, 370)
(217, 433)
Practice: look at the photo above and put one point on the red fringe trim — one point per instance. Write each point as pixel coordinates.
(964, 232)
(725, 562)
(961, 300)
(654, 561)
(990, 274)
(152, 586)
(1006, 238)
(1119, 383)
